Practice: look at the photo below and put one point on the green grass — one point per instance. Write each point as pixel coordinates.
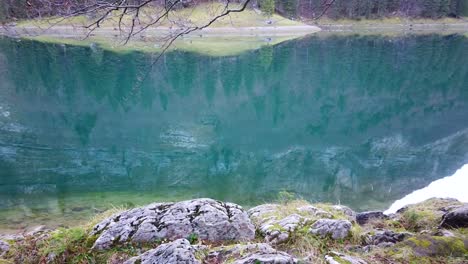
(210, 46)
(198, 15)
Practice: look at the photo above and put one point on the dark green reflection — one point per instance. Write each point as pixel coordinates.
(357, 120)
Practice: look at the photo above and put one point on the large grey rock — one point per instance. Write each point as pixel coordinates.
(248, 253)
(456, 218)
(337, 229)
(209, 219)
(278, 231)
(364, 217)
(339, 258)
(4, 247)
(177, 252)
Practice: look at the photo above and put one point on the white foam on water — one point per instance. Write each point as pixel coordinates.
(455, 186)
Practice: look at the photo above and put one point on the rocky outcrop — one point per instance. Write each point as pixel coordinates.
(456, 218)
(177, 252)
(4, 247)
(248, 253)
(278, 231)
(336, 229)
(206, 218)
(339, 258)
(364, 217)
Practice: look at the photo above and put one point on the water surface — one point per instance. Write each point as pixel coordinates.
(356, 120)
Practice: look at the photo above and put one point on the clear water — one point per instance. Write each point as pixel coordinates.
(356, 120)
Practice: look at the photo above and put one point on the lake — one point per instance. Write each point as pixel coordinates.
(356, 120)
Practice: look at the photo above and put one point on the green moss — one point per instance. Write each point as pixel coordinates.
(435, 246)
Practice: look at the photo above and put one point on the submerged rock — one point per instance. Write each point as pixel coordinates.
(456, 218)
(337, 229)
(208, 219)
(249, 253)
(177, 252)
(364, 217)
(339, 258)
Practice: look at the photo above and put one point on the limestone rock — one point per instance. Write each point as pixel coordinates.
(456, 218)
(262, 212)
(314, 211)
(364, 217)
(338, 258)
(209, 219)
(346, 211)
(267, 258)
(337, 229)
(278, 231)
(177, 252)
(249, 253)
(4, 247)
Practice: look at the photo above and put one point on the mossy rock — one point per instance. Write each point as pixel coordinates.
(435, 246)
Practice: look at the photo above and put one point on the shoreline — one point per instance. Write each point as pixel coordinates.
(293, 231)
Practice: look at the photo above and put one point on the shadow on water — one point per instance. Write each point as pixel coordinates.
(360, 120)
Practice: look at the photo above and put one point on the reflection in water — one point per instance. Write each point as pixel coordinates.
(357, 120)
(449, 187)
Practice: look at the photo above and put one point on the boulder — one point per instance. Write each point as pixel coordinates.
(177, 252)
(210, 220)
(4, 247)
(456, 218)
(278, 231)
(339, 258)
(337, 229)
(248, 253)
(364, 217)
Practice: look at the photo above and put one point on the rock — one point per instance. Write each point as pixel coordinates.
(364, 217)
(444, 232)
(249, 253)
(260, 213)
(32, 231)
(456, 218)
(436, 246)
(210, 220)
(314, 211)
(177, 252)
(337, 229)
(278, 231)
(338, 258)
(384, 238)
(267, 258)
(346, 211)
(4, 247)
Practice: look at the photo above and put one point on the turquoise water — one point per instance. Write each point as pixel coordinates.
(356, 120)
